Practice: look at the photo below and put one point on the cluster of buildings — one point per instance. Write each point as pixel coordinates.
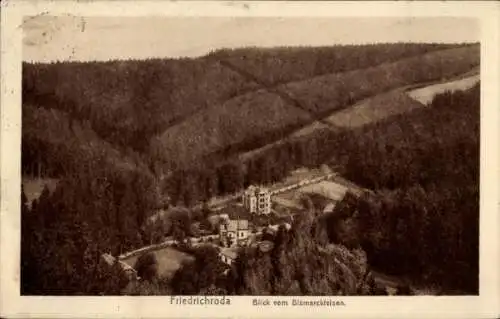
(235, 233)
(238, 224)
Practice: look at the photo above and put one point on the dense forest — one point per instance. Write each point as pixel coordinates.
(405, 226)
(64, 232)
(282, 65)
(130, 104)
(239, 121)
(420, 221)
(301, 262)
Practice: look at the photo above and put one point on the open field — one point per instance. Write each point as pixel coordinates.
(374, 109)
(425, 94)
(331, 190)
(326, 189)
(290, 199)
(169, 260)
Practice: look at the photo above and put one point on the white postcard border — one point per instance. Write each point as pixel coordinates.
(12, 305)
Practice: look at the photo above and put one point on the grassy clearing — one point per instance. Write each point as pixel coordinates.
(326, 189)
(169, 260)
(425, 94)
(374, 109)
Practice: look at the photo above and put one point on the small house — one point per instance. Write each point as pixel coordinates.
(228, 255)
(233, 232)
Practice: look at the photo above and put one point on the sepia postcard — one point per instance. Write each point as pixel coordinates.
(220, 159)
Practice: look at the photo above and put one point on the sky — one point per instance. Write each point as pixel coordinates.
(67, 38)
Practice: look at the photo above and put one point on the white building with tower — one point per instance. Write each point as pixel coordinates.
(257, 200)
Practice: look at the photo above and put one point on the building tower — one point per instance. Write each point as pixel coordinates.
(257, 200)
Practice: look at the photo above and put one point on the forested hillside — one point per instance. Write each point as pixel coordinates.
(93, 210)
(421, 222)
(127, 103)
(423, 219)
(122, 135)
(301, 262)
(257, 118)
(55, 144)
(282, 65)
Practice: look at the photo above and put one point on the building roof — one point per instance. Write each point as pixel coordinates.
(256, 189)
(329, 207)
(239, 224)
(234, 211)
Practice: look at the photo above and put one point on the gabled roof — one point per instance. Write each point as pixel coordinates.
(236, 225)
(235, 212)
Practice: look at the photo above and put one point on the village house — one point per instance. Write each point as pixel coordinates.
(257, 200)
(233, 232)
(228, 255)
